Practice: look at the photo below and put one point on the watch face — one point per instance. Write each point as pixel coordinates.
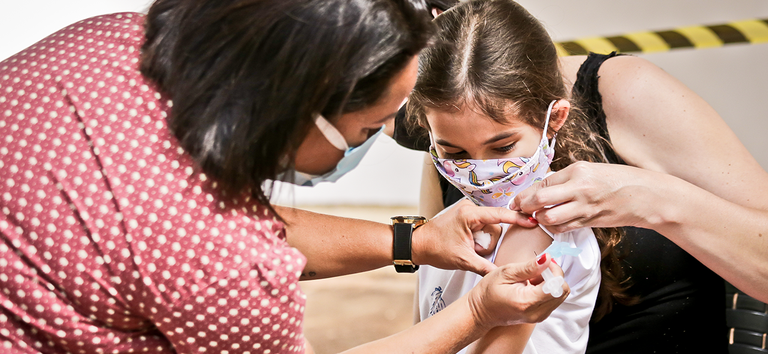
(409, 219)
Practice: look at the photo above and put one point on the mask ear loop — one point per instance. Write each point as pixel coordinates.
(431, 141)
(546, 123)
(331, 133)
(432, 145)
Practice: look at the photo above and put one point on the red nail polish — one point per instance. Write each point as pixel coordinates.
(542, 259)
(531, 219)
(553, 261)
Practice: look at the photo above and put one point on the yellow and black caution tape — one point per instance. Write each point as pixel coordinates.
(747, 31)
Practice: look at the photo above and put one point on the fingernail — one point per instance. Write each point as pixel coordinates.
(542, 259)
(553, 261)
(532, 220)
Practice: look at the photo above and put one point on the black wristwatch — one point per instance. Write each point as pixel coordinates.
(401, 246)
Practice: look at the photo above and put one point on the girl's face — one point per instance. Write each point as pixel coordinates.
(466, 134)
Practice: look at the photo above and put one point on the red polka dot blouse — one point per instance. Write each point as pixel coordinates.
(111, 241)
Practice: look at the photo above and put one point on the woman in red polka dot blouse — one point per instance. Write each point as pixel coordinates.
(134, 153)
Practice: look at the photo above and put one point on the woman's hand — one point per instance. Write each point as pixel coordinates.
(593, 195)
(446, 241)
(504, 297)
(508, 296)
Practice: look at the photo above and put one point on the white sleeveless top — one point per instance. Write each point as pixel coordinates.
(566, 330)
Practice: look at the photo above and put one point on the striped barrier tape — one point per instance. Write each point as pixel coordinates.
(747, 31)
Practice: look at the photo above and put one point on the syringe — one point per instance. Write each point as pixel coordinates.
(552, 284)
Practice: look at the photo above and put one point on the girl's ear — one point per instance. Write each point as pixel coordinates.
(559, 115)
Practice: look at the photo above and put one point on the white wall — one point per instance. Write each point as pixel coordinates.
(733, 79)
(24, 22)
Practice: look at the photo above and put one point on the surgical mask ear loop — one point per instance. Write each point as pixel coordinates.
(546, 123)
(331, 133)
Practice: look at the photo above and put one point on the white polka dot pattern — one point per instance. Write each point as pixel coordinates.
(112, 242)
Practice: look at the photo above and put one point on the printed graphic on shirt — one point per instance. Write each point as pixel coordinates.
(437, 303)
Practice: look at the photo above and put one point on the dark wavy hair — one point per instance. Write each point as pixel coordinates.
(493, 55)
(247, 76)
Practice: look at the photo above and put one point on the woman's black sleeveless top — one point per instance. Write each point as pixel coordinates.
(680, 307)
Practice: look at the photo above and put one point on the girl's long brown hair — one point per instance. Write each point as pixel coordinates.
(494, 56)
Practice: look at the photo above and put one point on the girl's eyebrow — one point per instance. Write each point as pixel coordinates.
(500, 136)
(492, 140)
(445, 143)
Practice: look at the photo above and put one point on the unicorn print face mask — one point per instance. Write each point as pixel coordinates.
(495, 182)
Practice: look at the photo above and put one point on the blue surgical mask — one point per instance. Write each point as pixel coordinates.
(352, 156)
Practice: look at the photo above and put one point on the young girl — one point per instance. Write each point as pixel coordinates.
(492, 98)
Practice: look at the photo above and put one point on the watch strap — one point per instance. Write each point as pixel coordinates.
(403, 233)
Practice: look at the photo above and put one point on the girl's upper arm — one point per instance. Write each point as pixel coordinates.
(519, 245)
(655, 122)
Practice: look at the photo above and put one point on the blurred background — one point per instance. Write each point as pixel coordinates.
(349, 310)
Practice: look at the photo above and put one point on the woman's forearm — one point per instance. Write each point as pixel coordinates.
(337, 246)
(447, 332)
(728, 233)
(728, 238)
(716, 205)
(504, 297)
